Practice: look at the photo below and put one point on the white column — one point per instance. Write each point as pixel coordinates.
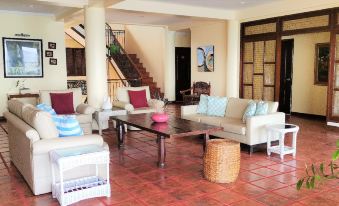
(169, 65)
(96, 73)
(233, 58)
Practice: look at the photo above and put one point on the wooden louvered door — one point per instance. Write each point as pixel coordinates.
(258, 75)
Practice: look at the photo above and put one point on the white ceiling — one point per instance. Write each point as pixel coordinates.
(220, 4)
(31, 6)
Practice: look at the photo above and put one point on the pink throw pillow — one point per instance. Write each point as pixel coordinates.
(62, 103)
(138, 98)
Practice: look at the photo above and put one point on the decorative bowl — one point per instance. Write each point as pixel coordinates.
(160, 117)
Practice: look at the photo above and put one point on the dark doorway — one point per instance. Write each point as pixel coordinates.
(285, 100)
(182, 70)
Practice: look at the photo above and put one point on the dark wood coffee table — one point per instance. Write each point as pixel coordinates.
(175, 127)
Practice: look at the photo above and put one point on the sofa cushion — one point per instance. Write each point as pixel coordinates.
(193, 117)
(67, 125)
(262, 108)
(15, 106)
(236, 107)
(85, 109)
(46, 98)
(62, 103)
(203, 104)
(122, 94)
(216, 106)
(215, 121)
(46, 108)
(41, 121)
(250, 111)
(138, 98)
(234, 125)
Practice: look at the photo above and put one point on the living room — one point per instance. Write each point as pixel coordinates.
(166, 164)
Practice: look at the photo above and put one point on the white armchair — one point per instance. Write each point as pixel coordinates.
(83, 111)
(124, 102)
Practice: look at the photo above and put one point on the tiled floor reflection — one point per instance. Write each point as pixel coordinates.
(136, 180)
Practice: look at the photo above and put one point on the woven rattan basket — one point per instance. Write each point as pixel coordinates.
(222, 160)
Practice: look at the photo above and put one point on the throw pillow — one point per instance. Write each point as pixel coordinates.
(203, 103)
(46, 108)
(262, 108)
(138, 98)
(67, 125)
(250, 110)
(216, 106)
(62, 103)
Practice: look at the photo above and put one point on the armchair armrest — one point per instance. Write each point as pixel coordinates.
(186, 90)
(256, 126)
(156, 104)
(45, 145)
(188, 109)
(124, 105)
(85, 109)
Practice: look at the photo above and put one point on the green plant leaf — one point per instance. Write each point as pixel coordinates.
(321, 168)
(308, 185)
(300, 183)
(313, 169)
(317, 177)
(335, 155)
(312, 182)
(337, 143)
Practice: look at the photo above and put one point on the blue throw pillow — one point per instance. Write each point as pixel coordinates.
(262, 108)
(46, 108)
(67, 125)
(250, 110)
(216, 106)
(202, 107)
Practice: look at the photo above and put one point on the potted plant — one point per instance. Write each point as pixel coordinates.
(314, 173)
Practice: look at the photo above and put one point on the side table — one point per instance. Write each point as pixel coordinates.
(74, 190)
(281, 130)
(102, 117)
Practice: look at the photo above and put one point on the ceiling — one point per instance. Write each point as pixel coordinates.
(220, 4)
(31, 6)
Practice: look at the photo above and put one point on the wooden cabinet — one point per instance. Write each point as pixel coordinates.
(76, 61)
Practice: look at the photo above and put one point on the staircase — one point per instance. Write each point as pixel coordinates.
(129, 64)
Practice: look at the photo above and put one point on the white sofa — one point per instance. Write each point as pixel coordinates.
(31, 135)
(83, 112)
(251, 133)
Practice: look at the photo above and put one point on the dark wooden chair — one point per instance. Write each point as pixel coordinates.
(192, 95)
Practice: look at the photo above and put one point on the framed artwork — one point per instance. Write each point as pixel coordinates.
(53, 61)
(322, 63)
(51, 45)
(22, 58)
(205, 58)
(48, 53)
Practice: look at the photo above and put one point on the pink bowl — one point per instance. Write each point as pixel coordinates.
(160, 117)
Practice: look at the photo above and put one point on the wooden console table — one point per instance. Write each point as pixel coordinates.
(27, 97)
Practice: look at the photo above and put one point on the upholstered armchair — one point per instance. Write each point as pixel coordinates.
(83, 111)
(124, 101)
(192, 95)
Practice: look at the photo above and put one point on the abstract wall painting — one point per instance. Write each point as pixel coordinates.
(205, 58)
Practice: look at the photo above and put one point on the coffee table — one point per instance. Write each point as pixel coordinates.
(175, 127)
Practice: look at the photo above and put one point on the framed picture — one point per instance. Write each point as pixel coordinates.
(322, 63)
(22, 58)
(51, 45)
(205, 56)
(53, 61)
(48, 53)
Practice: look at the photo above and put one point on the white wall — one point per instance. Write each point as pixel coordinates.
(149, 44)
(211, 34)
(39, 27)
(307, 97)
(183, 39)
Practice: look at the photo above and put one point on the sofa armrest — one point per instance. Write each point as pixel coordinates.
(123, 105)
(156, 104)
(256, 126)
(45, 145)
(188, 110)
(85, 109)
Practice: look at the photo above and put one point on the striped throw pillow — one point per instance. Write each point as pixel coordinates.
(67, 125)
(46, 108)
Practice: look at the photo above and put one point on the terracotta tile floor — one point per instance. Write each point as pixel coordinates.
(136, 180)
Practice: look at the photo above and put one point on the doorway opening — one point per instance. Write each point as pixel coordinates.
(286, 74)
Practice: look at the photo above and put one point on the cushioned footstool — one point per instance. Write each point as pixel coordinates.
(222, 160)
